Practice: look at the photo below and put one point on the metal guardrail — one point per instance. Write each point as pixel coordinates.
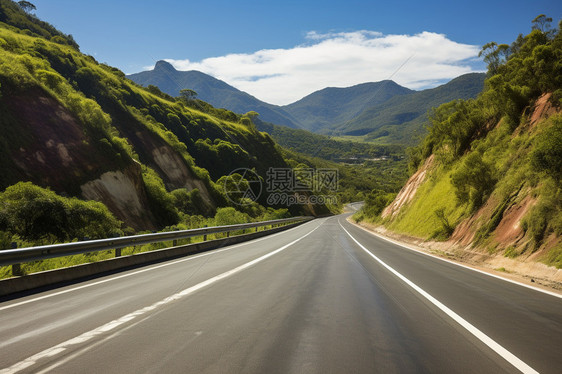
(20, 255)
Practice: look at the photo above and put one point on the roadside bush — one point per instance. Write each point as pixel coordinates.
(446, 229)
(91, 219)
(40, 215)
(473, 180)
(161, 202)
(375, 202)
(230, 216)
(547, 153)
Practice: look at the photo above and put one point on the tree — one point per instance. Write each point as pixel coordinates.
(248, 120)
(252, 115)
(547, 155)
(542, 23)
(494, 55)
(473, 181)
(28, 7)
(188, 95)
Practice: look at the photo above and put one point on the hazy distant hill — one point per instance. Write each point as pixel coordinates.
(400, 119)
(212, 90)
(332, 105)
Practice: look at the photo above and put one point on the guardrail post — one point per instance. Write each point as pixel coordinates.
(228, 234)
(16, 268)
(205, 236)
(117, 252)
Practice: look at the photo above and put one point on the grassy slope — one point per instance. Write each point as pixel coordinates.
(113, 111)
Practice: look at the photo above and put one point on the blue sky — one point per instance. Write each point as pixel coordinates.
(260, 46)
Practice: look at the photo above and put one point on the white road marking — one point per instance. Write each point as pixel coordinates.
(458, 264)
(53, 351)
(140, 271)
(504, 353)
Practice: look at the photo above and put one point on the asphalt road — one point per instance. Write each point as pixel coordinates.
(325, 297)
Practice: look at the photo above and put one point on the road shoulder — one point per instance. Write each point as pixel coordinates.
(536, 275)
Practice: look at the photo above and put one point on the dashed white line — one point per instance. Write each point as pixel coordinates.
(9, 306)
(85, 337)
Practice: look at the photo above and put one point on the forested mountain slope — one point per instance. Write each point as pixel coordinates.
(324, 108)
(401, 119)
(489, 173)
(83, 130)
(211, 90)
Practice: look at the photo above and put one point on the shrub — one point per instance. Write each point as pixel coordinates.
(446, 229)
(375, 202)
(37, 214)
(230, 216)
(161, 202)
(547, 153)
(473, 180)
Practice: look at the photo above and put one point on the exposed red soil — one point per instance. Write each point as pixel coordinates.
(509, 230)
(525, 270)
(542, 109)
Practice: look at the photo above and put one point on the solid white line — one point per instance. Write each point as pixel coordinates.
(504, 353)
(142, 271)
(458, 264)
(49, 352)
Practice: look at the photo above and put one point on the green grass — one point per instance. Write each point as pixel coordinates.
(352, 138)
(419, 217)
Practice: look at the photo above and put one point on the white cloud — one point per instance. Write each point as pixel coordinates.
(282, 76)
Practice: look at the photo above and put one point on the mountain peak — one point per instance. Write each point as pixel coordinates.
(164, 65)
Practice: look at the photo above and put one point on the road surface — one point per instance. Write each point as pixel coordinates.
(324, 297)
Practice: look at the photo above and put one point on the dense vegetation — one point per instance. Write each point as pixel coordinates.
(324, 147)
(491, 155)
(211, 90)
(41, 216)
(101, 122)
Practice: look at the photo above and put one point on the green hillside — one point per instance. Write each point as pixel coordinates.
(332, 105)
(401, 119)
(211, 90)
(73, 128)
(489, 173)
(322, 146)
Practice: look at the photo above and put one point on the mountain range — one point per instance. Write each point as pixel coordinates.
(211, 90)
(373, 109)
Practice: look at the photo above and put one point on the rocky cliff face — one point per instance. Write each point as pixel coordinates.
(123, 193)
(46, 143)
(54, 151)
